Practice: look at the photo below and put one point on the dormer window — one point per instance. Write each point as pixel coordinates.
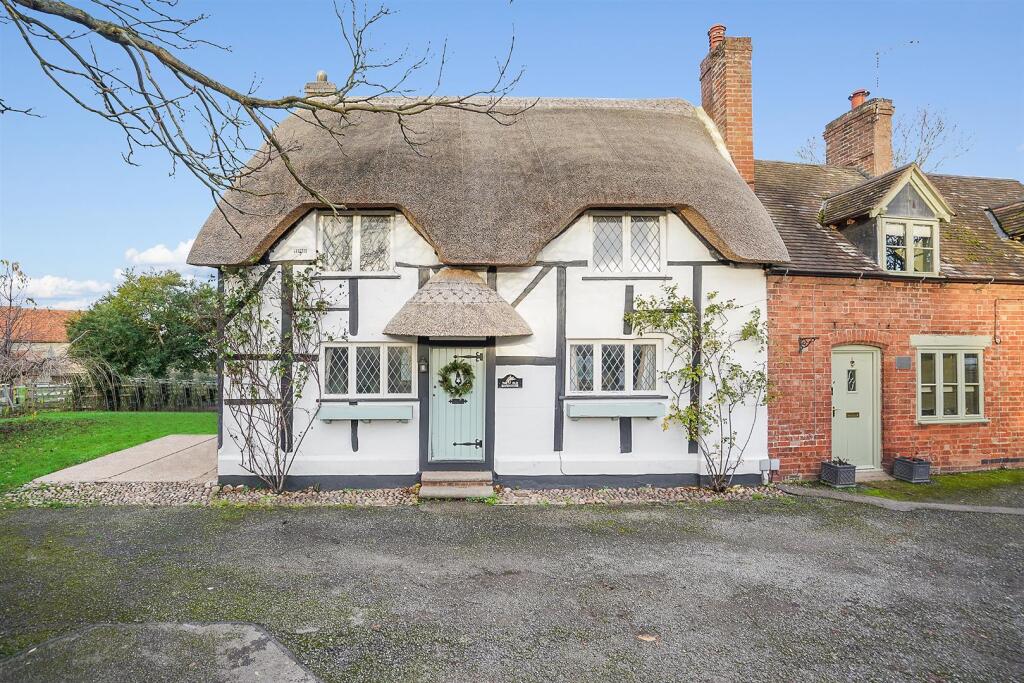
(628, 242)
(356, 242)
(893, 219)
(909, 245)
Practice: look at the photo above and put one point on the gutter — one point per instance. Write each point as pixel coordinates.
(868, 275)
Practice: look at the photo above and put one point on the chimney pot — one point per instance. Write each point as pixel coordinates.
(321, 87)
(716, 34)
(858, 98)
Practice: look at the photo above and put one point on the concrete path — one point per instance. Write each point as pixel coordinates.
(226, 652)
(898, 505)
(178, 457)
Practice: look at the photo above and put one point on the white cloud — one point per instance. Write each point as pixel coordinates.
(71, 304)
(56, 286)
(161, 256)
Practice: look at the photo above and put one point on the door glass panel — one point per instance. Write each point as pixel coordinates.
(851, 380)
(613, 367)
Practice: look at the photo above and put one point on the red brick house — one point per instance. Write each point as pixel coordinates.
(897, 328)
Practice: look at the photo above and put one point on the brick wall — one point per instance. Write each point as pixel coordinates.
(884, 314)
(862, 138)
(725, 93)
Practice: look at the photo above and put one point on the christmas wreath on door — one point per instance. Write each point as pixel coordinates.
(456, 378)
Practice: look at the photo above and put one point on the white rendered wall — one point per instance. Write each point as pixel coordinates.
(524, 418)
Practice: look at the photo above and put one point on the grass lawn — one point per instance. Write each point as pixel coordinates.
(35, 445)
(968, 487)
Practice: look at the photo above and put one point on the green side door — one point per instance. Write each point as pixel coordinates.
(457, 422)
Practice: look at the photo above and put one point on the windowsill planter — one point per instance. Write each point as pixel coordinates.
(914, 470)
(837, 475)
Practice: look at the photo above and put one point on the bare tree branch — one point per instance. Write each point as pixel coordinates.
(121, 61)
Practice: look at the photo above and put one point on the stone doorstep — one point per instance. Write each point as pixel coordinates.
(442, 491)
(456, 478)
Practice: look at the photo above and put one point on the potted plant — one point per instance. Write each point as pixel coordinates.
(914, 470)
(838, 473)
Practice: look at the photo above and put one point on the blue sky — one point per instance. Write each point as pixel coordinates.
(74, 214)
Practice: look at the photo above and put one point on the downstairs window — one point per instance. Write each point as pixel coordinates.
(368, 370)
(613, 367)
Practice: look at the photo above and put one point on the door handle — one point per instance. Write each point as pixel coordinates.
(476, 356)
(833, 411)
(478, 443)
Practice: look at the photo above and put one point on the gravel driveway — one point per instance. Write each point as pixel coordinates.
(761, 590)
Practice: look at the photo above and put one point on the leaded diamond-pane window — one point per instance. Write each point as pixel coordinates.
(336, 379)
(375, 243)
(581, 367)
(608, 244)
(336, 242)
(399, 370)
(613, 367)
(645, 367)
(367, 369)
(645, 243)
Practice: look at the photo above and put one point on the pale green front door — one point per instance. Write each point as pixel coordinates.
(457, 423)
(855, 398)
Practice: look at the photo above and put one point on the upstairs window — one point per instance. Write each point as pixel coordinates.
(613, 367)
(356, 243)
(627, 242)
(910, 246)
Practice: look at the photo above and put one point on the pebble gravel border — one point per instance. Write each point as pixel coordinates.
(190, 493)
(647, 495)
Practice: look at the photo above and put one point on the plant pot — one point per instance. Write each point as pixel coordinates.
(839, 476)
(914, 470)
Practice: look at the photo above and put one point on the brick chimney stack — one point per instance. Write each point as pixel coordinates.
(725, 94)
(862, 137)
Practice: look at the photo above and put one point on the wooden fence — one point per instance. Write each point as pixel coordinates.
(136, 394)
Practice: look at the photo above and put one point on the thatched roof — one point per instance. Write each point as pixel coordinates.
(485, 193)
(457, 303)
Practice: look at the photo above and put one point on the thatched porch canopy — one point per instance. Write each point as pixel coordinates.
(457, 303)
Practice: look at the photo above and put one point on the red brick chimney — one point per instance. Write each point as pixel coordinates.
(862, 137)
(725, 94)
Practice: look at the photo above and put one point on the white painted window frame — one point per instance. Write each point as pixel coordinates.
(627, 249)
(908, 240)
(383, 346)
(629, 343)
(961, 416)
(357, 241)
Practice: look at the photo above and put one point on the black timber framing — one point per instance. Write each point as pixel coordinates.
(698, 304)
(560, 289)
(287, 356)
(353, 306)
